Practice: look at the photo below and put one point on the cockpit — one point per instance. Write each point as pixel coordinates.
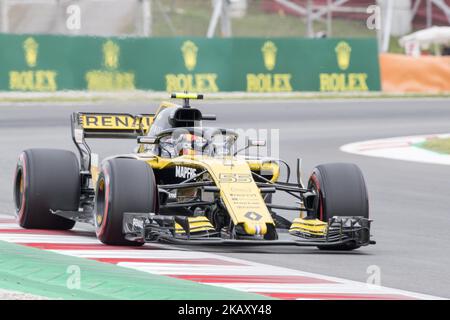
(214, 142)
(179, 131)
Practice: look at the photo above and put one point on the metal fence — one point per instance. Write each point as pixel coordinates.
(69, 17)
(224, 18)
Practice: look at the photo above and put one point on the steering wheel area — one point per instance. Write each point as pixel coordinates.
(195, 141)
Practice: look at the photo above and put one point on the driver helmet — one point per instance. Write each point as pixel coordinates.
(189, 144)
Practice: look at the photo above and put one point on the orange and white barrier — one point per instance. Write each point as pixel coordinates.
(424, 74)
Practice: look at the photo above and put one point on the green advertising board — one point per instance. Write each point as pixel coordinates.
(51, 63)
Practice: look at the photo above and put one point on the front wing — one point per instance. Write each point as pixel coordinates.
(144, 227)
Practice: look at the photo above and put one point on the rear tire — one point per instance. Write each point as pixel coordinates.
(46, 179)
(124, 185)
(341, 191)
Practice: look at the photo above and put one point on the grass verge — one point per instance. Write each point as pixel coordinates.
(57, 276)
(437, 145)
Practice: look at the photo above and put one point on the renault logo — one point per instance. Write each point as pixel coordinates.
(253, 216)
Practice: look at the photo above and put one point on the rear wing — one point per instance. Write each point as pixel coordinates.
(112, 125)
(106, 125)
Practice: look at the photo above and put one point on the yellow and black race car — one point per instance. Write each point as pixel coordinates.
(185, 183)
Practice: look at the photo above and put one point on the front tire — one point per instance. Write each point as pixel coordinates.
(46, 179)
(124, 185)
(341, 191)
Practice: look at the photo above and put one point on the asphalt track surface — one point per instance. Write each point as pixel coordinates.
(409, 202)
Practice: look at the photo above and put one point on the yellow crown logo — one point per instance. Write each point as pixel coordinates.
(189, 50)
(31, 48)
(343, 54)
(111, 53)
(269, 51)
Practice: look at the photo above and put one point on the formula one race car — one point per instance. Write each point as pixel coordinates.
(186, 184)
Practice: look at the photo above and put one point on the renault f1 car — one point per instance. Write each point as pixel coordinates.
(185, 183)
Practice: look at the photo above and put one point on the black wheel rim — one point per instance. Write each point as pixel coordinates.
(19, 189)
(100, 203)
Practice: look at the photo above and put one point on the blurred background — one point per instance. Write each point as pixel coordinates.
(312, 69)
(404, 31)
(389, 20)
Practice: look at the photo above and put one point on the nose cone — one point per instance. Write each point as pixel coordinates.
(255, 228)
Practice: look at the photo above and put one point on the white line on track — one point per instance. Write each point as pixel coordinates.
(399, 148)
(154, 254)
(31, 238)
(209, 268)
(11, 225)
(305, 288)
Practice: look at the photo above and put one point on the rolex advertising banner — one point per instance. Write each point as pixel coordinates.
(52, 63)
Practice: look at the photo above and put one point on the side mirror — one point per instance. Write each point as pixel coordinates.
(210, 117)
(256, 143)
(146, 140)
